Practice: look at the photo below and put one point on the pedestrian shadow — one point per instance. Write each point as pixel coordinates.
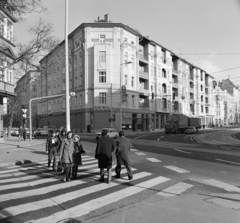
(40, 152)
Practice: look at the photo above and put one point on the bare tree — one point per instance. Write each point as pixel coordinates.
(28, 55)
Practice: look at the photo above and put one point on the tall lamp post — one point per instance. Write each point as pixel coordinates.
(120, 119)
(66, 69)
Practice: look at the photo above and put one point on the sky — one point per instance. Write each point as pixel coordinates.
(204, 32)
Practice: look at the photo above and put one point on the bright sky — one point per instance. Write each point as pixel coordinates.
(205, 32)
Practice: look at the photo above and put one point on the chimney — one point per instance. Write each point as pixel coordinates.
(106, 18)
(98, 18)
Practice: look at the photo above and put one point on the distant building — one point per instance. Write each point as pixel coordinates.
(7, 55)
(103, 57)
(26, 89)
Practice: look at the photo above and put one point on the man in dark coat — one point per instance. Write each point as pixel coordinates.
(105, 147)
(122, 155)
(24, 132)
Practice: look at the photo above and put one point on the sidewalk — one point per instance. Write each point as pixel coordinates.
(184, 208)
(14, 152)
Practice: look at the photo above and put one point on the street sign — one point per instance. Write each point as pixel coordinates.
(24, 110)
(24, 116)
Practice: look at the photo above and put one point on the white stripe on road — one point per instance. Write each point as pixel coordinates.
(26, 165)
(16, 174)
(219, 184)
(141, 154)
(225, 203)
(44, 190)
(176, 189)
(134, 150)
(154, 160)
(181, 151)
(57, 200)
(227, 161)
(97, 203)
(179, 170)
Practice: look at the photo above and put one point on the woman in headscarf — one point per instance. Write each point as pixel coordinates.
(77, 155)
(66, 153)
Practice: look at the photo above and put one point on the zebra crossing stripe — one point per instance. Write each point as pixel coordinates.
(25, 165)
(134, 150)
(154, 160)
(57, 200)
(176, 189)
(179, 170)
(141, 154)
(97, 203)
(219, 184)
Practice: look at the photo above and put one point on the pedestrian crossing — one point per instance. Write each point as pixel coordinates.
(34, 194)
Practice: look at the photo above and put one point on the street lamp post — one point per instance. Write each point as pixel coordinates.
(120, 118)
(68, 127)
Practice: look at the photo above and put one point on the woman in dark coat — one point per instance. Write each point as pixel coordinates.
(66, 154)
(77, 155)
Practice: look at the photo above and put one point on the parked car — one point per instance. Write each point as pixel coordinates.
(191, 130)
(112, 133)
(14, 132)
(41, 132)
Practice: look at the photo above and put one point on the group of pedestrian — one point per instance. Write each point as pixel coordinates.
(22, 133)
(66, 151)
(105, 147)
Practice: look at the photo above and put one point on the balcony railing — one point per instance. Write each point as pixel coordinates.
(175, 84)
(174, 71)
(143, 58)
(143, 74)
(191, 89)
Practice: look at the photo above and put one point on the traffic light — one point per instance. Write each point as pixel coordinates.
(152, 96)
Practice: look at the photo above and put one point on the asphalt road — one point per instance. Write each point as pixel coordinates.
(164, 166)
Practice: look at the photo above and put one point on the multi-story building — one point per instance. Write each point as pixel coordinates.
(7, 56)
(107, 59)
(26, 89)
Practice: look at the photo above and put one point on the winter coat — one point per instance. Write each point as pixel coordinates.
(77, 153)
(105, 147)
(66, 151)
(52, 142)
(122, 151)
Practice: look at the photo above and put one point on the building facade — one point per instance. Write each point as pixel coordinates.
(120, 75)
(26, 89)
(7, 56)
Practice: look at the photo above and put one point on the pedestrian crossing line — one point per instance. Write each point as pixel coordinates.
(97, 203)
(57, 200)
(154, 160)
(38, 181)
(218, 184)
(134, 150)
(177, 169)
(47, 189)
(176, 189)
(39, 191)
(140, 154)
(25, 165)
(20, 169)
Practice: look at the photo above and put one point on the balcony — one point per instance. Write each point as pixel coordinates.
(143, 90)
(143, 75)
(191, 89)
(174, 72)
(191, 78)
(207, 104)
(175, 84)
(192, 101)
(143, 58)
(143, 105)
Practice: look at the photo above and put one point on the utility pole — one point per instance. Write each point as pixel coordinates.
(66, 69)
(111, 109)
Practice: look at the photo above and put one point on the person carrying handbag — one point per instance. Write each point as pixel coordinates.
(66, 155)
(77, 155)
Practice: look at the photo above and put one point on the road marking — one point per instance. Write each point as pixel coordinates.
(141, 154)
(225, 203)
(176, 189)
(182, 151)
(97, 203)
(227, 161)
(134, 150)
(57, 200)
(154, 160)
(225, 147)
(179, 170)
(219, 184)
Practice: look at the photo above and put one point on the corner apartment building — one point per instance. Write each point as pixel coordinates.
(26, 89)
(7, 55)
(103, 57)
